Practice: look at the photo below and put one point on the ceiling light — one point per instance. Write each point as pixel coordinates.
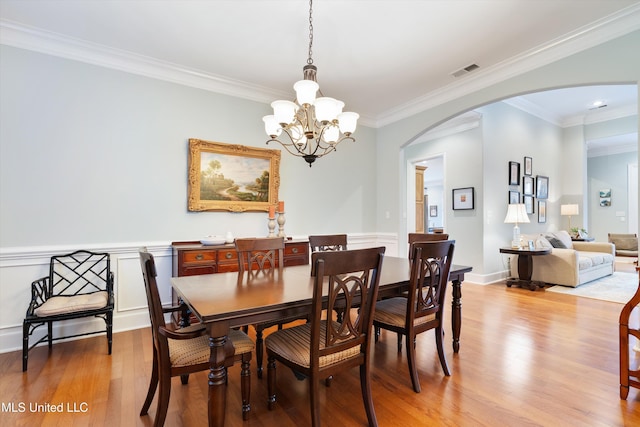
(313, 126)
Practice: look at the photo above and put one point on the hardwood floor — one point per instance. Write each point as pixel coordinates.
(526, 359)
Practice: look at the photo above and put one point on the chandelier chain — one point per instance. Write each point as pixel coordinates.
(310, 59)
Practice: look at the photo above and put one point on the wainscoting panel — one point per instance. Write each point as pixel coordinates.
(21, 266)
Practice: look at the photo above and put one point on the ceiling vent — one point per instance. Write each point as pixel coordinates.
(465, 70)
(597, 107)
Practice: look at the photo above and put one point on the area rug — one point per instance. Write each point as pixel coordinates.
(619, 287)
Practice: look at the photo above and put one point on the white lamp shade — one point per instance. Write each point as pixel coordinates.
(331, 134)
(306, 91)
(271, 126)
(284, 111)
(348, 121)
(327, 109)
(569, 210)
(516, 214)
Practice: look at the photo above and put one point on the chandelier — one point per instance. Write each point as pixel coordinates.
(312, 126)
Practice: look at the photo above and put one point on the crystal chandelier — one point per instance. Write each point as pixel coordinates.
(313, 126)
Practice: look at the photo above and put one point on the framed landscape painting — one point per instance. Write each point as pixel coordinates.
(234, 178)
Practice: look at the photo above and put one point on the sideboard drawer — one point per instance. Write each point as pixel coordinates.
(296, 253)
(198, 256)
(227, 260)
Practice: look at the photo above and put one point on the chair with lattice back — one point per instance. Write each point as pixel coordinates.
(79, 284)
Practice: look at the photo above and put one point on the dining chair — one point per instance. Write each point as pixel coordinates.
(186, 350)
(261, 256)
(423, 306)
(323, 346)
(328, 242)
(425, 237)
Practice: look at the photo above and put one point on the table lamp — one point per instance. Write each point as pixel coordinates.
(516, 214)
(569, 210)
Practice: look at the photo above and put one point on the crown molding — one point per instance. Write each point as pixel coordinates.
(579, 120)
(602, 31)
(35, 39)
(50, 43)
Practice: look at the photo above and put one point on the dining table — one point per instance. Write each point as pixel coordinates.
(222, 301)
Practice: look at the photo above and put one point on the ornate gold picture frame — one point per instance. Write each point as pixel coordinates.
(234, 178)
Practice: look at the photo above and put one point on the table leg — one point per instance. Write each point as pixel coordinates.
(456, 313)
(217, 381)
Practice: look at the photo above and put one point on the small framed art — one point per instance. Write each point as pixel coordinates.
(528, 166)
(433, 210)
(528, 203)
(527, 185)
(514, 197)
(514, 173)
(542, 187)
(605, 197)
(542, 211)
(463, 198)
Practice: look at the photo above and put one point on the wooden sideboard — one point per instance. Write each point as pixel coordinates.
(193, 258)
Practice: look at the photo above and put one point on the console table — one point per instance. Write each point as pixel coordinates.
(525, 266)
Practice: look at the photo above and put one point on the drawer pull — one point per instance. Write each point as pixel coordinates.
(294, 250)
(228, 255)
(199, 257)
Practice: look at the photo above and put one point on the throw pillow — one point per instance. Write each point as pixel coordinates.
(542, 242)
(555, 242)
(564, 237)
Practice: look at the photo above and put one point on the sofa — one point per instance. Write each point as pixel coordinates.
(625, 244)
(570, 263)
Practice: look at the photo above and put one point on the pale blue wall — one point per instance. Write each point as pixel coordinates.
(90, 154)
(93, 155)
(609, 172)
(616, 61)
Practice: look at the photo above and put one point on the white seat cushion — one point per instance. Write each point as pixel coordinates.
(72, 304)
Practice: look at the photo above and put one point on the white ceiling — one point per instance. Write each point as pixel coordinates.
(386, 59)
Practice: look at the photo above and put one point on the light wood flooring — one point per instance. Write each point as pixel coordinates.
(526, 359)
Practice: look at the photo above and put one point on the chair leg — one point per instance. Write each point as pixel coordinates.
(50, 333)
(271, 382)
(413, 368)
(153, 385)
(367, 398)
(245, 385)
(109, 320)
(439, 344)
(163, 399)
(184, 379)
(314, 394)
(259, 350)
(400, 342)
(376, 333)
(25, 345)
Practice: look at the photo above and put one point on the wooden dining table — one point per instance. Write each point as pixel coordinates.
(227, 300)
